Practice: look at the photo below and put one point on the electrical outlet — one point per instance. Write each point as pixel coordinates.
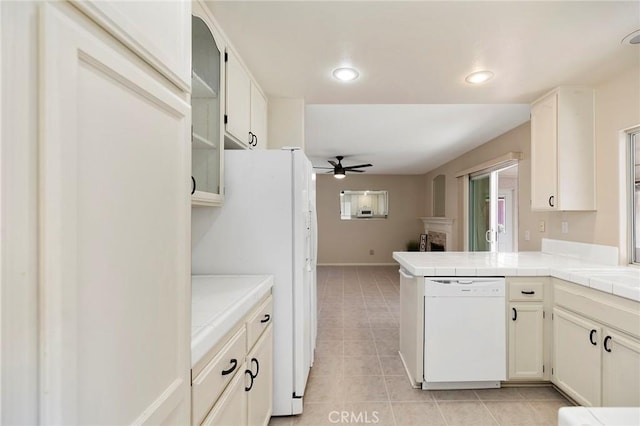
(541, 226)
(527, 235)
(565, 227)
(371, 252)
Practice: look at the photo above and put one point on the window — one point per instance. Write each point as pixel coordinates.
(363, 205)
(634, 152)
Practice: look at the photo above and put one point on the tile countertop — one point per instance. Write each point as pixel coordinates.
(218, 302)
(619, 280)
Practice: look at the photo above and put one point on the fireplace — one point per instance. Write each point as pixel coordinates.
(435, 247)
(439, 232)
(436, 241)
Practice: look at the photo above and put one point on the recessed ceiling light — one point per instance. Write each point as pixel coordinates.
(345, 74)
(633, 38)
(479, 77)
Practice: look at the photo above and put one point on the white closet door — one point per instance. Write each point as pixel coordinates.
(115, 217)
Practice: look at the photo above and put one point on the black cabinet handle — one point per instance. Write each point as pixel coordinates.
(257, 367)
(255, 140)
(251, 138)
(515, 314)
(593, 342)
(551, 200)
(247, 389)
(606, 339)
(193, 185)
(266, 318)
(234, 364)
(528, 292)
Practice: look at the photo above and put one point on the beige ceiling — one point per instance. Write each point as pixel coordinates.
(418, 52)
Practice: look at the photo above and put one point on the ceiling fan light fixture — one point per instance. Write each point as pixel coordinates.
(632, 38)
(339, 174)
(479, 77)
(345, 74)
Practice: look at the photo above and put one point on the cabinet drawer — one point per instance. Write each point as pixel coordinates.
(526, 290)
(258, 322)
(215, 376)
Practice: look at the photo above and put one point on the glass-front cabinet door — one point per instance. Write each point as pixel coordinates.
(206, 116)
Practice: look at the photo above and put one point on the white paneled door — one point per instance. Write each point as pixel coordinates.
(114, 215)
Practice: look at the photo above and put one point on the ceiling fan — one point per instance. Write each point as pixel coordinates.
(339, 171)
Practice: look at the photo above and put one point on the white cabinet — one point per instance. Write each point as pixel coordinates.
(620, 370)
(231, 409)
(114, 231)
(233, 383)
(529, 334)
(526, 341)
(246, 113)
(596, 346)
(207, 111)
(577, 357)
(260, 377)
(563, 150)
(159, 34)
(258, 118)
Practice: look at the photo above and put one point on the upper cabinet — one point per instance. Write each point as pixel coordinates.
(563, 150)
(160, 36)
(206, 112)
(246, 115)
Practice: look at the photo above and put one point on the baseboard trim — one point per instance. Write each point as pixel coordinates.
(358, 264)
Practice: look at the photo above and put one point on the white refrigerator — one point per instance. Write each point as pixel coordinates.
(267, 225)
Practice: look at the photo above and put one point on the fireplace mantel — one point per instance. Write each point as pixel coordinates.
(442, 225)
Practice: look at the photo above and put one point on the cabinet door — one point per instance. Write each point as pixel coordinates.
(577, 357)
(258, 117)
(114, 236)
(260, 394)
(158, 32)
(207, 112)
(526, 344)
(544, 173)
(231, 408)
(238, 100)
(620, 371)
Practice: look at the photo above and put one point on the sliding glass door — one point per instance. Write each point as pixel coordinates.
(493, 210)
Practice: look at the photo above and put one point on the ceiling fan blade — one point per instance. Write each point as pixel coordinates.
(325, 168)
(358, 166)
(354, 171)
(333, 163)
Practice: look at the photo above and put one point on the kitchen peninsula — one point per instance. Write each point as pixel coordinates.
(572, 314)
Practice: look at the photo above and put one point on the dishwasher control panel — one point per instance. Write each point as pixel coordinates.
(464, 287)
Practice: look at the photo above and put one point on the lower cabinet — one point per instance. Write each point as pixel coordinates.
(529, 331)
(577, 357)
(231, 408)
(526, 344)
(233, 386)
(620, 370)
(260, 377)
(595, 365)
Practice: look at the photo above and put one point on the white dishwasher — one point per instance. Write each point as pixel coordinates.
(464, 333)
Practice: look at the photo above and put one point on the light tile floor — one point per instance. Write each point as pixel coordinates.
(358, 378)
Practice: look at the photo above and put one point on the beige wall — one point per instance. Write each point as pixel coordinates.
(349, 241)
(516, 140)
(617, 108)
